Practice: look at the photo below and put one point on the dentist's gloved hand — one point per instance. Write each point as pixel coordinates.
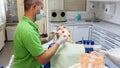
(61, 39)
(51, 36)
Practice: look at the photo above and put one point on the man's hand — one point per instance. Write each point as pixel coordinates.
(61, 39)
(51, 36)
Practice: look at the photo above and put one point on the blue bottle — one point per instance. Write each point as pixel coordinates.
(78, 17)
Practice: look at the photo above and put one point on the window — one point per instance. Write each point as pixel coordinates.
(2, 11)
(75, 5)
(11, 11)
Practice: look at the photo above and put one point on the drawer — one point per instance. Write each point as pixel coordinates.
(100, 38)
(98, 29)
(101, 41)
(113, 41)
(111, 45)
(98, 33)
(112, 35)
(107, 37)
(104, 45)
(107, 33)
(107, 41)
(97, 43)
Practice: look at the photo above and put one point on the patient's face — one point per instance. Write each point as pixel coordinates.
(64, 30)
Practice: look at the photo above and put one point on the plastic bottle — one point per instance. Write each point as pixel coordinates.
(78, 17)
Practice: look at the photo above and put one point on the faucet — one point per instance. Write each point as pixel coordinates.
(94, 15)
(95, 19)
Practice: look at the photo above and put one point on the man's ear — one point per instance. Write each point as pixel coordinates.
(34, 7)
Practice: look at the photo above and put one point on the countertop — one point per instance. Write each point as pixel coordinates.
(114, 28)
(109, 27)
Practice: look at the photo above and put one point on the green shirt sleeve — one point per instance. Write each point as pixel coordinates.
(32, 43)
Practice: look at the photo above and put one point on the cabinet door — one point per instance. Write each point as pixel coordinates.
(2, 38)
(80, 32)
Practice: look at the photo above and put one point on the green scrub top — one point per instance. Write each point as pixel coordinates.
(27, 45)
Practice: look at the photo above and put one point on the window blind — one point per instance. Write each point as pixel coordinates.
(75, 5)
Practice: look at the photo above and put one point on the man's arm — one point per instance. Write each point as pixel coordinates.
(45, 57)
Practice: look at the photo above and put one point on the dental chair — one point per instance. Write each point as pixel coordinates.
(67, 54)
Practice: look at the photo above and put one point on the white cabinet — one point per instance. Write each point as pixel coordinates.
(107, 39)
(2, 38)
(81, 32)
(10, 32)
(78, 31)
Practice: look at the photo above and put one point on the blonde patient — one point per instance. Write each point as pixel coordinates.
(65, 31)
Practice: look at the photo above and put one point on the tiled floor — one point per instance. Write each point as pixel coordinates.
(6, 54)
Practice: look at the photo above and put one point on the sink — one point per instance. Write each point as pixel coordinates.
(96, 21)
(92, 20)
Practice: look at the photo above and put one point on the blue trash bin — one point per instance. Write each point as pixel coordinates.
(1, 66)
(48, 64)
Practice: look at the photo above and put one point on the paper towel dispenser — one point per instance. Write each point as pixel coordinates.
(109, 9)
(57, 16)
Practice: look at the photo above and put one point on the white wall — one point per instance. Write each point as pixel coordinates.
(59, 4)
(101, 14)
(20, 7)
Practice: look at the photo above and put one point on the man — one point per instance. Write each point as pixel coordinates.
(28, 49)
